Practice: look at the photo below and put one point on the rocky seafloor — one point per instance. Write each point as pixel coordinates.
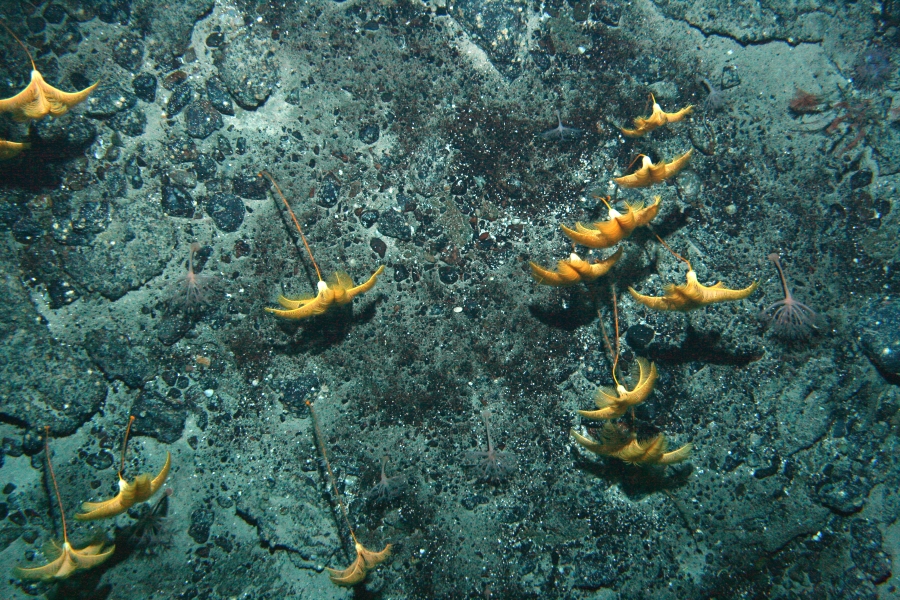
(408, 134)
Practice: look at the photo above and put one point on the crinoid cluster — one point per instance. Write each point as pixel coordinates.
(621, 440)
(64, 559)
(603, 234)
(619, 226)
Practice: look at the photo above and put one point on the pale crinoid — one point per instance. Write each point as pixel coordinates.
(388, 488)
(491, 465)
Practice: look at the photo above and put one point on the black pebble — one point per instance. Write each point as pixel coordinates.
(201, 119)
(133, 173)
(226, 210)
(128, 52)
(158, 417)
(108, 101)
(219, 97)
(250, 186)
(879, 337)
(860, 179)
(400, 273)
(69, 133)
(26, 230)
(11, 447)
(296, 391)
(9, 214)
(224, 145)
(111, 12)
(205, 167)
(393, 224)
(369, 134)
(36, 24)
(66, 39)
(638, 336)
(329, 192)
(293, 97)
(470, 501)
(145, 87)
(61, 292)
(130, 123)
(214, 40)
(448, 275)
(99, 460)
(181, 97)
(177, 202)
(172, 328)
(378, 246)
(32, 442)
(368, 218)
(92, 218)
(201, 522)
(54, 13)
(117, 358)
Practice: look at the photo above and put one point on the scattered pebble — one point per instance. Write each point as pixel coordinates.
(226, 211)
(205, 167)
(250, 186)
(131, 123)
(128, 52)
(54, 14)
(215, 39)
(218, 96)
(378, 246)
(327, 195)
(368, 218)
(144, 86)
(201, 119)
(177, 202)
(174, 79)
(879, 337)
(369, 134)
(392, 224)
(401, 273)
(860, 179)
(248, 71)
(181, 97)
(449, 275)
(107, 101)
(158, 417)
